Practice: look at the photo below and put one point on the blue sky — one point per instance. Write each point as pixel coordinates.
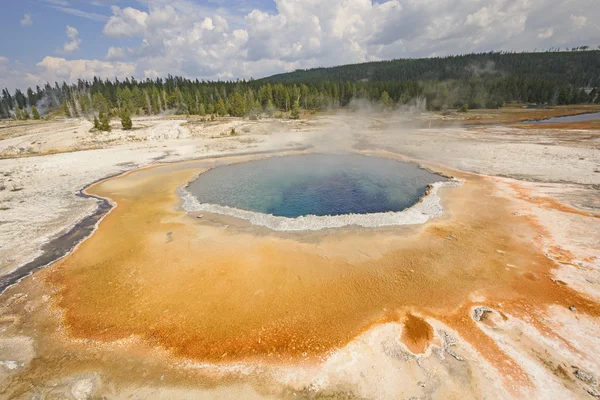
(46, 33)
(50, 18)
(229, 39)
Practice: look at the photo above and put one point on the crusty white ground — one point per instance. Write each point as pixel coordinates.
(38, 201)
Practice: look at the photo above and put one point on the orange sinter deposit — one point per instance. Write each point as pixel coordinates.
(212, 292)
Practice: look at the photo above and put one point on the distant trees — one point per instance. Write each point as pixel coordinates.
(478, 80)
(577, 68)
(35, 113)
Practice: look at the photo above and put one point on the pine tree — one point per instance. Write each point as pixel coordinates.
(7, 98)
(238, 106)
(100, 103)
(20, 99)
(295, 114)
(155, 100)
(126, 120)
(104, 122)
(592, 95)
(385, 99)
(220, 108)
(17, 113)
(35, 113)
(96, 123)
(65, 109)
(270, 108)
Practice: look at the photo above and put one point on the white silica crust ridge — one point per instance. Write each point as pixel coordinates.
(427, 207)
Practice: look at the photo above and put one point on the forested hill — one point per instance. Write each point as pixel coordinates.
(470, 81)
(578, 68)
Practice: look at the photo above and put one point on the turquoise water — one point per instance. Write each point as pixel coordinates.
(315, 184)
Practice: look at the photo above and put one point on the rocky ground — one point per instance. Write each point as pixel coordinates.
(552, 175)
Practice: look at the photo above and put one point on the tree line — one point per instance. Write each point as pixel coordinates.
(579, 68)
(487, 80)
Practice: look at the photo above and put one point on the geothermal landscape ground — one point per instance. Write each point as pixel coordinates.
(488, 287)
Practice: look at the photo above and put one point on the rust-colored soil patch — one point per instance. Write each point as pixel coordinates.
(417, 333)
(217, 294)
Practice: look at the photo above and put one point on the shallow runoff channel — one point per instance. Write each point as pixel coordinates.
(63, 244)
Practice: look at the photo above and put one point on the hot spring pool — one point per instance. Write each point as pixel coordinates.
(314, 185)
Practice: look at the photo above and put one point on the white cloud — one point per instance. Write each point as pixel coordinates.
(116, 54)
(578, 21)
(72, 33)
(150, 73)
(74, 42)
(126, 22)
(545, 33)
(13, 76)
(59, 69)
(26, 21)
(181, 37)
(58, 5)
(63, 3)
(162, 18)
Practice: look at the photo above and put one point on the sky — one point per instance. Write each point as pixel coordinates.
(65, 40)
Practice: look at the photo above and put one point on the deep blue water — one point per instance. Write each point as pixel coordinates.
(316, 184)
